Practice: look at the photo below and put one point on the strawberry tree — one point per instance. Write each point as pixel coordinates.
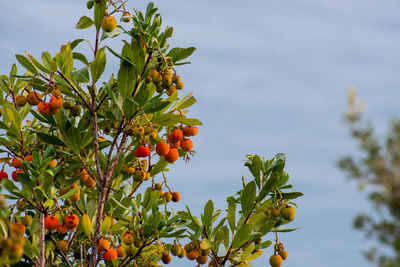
(85, 158)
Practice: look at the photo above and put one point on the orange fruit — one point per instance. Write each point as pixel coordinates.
(275, 261)
(16, 162)
(162, 149)
(172, 155)
(90, 182)
(34, 98)
(110, 255)
(52, 164)
(120, 251)
(56, 102)
(186, 144)
(18, 229)
(44, 108)
(104, 244)
(50, 222)
(176, 135)
(108, 23)
(62, 229)
(176, 196)
(166, 258)
(28, 158)
(71, 221)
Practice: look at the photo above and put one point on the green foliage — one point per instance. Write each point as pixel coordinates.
(378, 169)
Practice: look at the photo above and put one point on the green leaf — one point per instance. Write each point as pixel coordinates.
(25, 179)
(84, 22)
(170, 119)
(269, 185)
(292, 195)
(189, 102)
(98, 65)
(178, 54)
(37, 63)
(99, 12)
(126, 78)
(253, 256)
(231, 213)
(129, 107)
(81, 75)
(80, 57)
(248, 198)
(208, 212)
(26, 64)
(49, 139)
(87, 225)
(105, 227)
(48, 62)
(242, 235)
(160, 165)
(70, 193)
(64, 60)
(247, 251)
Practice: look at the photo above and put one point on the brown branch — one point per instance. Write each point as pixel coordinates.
(129, 259)
(76, 91)
(61, 252)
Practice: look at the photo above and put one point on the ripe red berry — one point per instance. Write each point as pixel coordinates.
(50, 222)
(3, 175)
(14, 175)
(142, 152)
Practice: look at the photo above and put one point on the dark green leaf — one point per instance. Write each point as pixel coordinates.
(242, 235)
(26, 64)
(98, 65)
(178, 54)
(248, 198)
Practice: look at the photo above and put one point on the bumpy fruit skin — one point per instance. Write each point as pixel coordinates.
(120, 251)
(176, 196)
(26, 220)
(44, 108)
(167, 196)
(67, 105)
(20, 100)
(283, 253)
(62, 245)
(16, 163)
(104, 244)
(14, 175)
(288, 213)
(162, 149)
(190, 131)
(28, 158)
(142, 152)
(62, 229)
(202, 259)
(172, 155)
(89, 182)
(176, 250)
(71, 221)
(192, 255)
(138, 242)
(34, 98)
(186, 145)
(108, 24)
(50, 222)
(127, 238)
(275, 261)
(166, 258)
(56, 102)
(182, 254)
(3, 175)
(176, 135)
(75, 110)
(110, 255)
(275, 212)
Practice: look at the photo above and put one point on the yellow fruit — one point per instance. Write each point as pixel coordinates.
(27, 220)
(288, 213)
(275, 212)
(275, 261)
(126, 17)
(127, 238)
(20, 100)
(176, 250)
(283, 254)
(62, 245)
(108, 23)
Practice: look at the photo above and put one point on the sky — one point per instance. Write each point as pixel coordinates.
(269, 77)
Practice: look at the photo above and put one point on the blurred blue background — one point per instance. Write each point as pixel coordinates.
(269, 77)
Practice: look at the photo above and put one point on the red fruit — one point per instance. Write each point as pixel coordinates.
(142, 152)
(3, 175)
(186, 144)
(110, 255)
(172, 155)
(162, 149)
(14, 175)
(50, 222)
(28, 158)
(71, 221)
(16, 162)
(55, 102)
(176, 135)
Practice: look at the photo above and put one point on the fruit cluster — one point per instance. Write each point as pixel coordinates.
(280, 254)
(11, 248)
(164, 80)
